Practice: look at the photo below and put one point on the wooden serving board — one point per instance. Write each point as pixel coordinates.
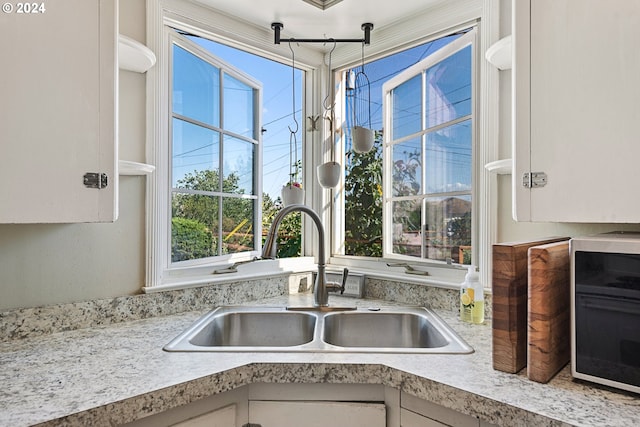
(549, 317)
(509, 293)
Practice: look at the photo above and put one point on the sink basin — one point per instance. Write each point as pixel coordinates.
(242, 327)
(385, 330)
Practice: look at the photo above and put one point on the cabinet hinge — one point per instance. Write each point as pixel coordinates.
(95, 180)
(534, 179)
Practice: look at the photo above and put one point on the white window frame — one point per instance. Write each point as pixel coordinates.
(419, 69)
(447, 19)
(197, 20)
(422, 27)
(181, 41)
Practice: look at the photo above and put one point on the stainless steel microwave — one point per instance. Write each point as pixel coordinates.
(605, 309)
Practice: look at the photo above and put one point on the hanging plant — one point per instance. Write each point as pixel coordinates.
(329, 172)
(292, 192)
(362, 136)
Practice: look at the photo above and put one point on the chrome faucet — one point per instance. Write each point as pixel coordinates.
(322, 287)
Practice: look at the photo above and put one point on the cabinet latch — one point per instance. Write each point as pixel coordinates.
(95, 180)
(534, 179)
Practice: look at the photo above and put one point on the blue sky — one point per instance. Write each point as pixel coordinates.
(277, 108)
(276, 79)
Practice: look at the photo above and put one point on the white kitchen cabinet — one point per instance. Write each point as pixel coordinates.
(416, 412)
(320, 405)
(311, 405)
(58, 111)
(575, 110)
(223, 417)
(283, 405)
(227, 409)
(317, 414)
(412, 419)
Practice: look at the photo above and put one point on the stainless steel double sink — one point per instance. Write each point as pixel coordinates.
(281, 329)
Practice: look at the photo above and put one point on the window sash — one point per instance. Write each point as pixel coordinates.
(226, 73)
(420, 69)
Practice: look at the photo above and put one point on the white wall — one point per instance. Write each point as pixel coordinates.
(46, 264)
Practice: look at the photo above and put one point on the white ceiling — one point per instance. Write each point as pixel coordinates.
(303, 20)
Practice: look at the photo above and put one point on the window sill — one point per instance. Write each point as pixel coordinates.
(447, 276)
(199, 276)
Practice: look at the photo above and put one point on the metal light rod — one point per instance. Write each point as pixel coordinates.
(277, 26)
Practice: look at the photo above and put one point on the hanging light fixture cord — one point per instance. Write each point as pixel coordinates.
(360, 106)
(293, 142)
(324, 102)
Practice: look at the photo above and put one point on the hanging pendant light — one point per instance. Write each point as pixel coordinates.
(292, 192)
(329, 173)
(362, 135)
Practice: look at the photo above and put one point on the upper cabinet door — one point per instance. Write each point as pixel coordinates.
(58, 110)
(576, 89)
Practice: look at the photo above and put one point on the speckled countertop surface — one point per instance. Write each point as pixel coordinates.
(112, 374)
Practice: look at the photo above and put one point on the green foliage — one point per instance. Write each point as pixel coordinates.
(290, 232)
(203, 210)
(459, 230)
(406, 179)
(190, 239)
(363, 207)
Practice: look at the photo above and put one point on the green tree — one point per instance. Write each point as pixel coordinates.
(363, 207)
(190, 239)
(195, 219)
(290, 231)
(204, 209)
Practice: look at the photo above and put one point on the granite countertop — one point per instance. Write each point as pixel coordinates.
(106, 375)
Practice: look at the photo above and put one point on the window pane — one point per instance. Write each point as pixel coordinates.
(238, 166)
(407, 168)
(448, 91)
(237, 225)
(447, 227)
(407, 108)
(193, 226)
(195, 156)
(238, 107)
(448, 159)
(407, 220)
(196, 88)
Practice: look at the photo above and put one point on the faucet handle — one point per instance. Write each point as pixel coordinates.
(345, 275)
(335, 286)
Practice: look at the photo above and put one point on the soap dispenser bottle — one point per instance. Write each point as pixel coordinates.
(472, 297)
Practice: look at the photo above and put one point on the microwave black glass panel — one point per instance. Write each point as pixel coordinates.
(608, 273)
(607, 315)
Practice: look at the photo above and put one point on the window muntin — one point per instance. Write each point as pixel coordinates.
(429, 169)
(214, 145)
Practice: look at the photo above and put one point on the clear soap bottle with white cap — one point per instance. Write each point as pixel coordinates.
(472, 297)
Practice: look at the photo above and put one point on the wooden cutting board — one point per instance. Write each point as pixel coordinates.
(549, 318)
(509, 293)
